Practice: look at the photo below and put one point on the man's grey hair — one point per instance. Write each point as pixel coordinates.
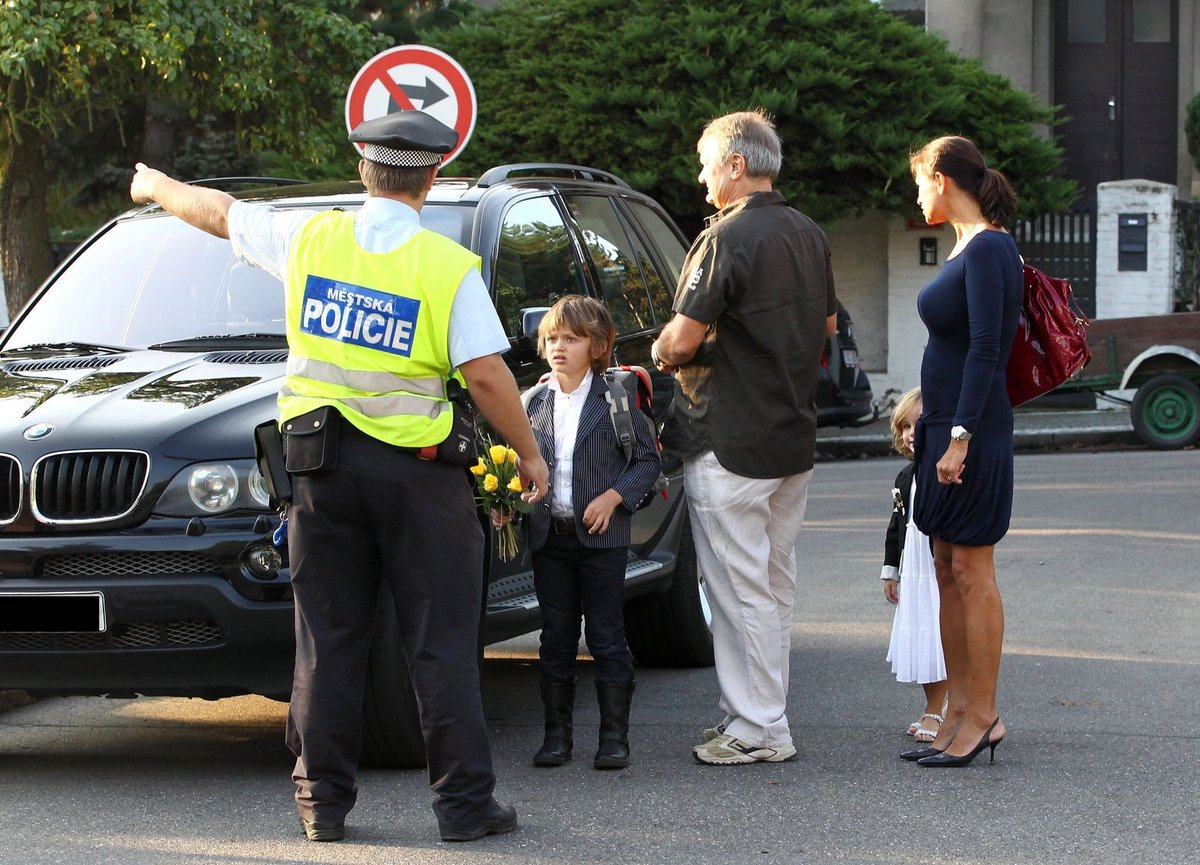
(391, 179)
(750, 133)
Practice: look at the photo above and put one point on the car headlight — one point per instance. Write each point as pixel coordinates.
(207, 489)
(213, 488)
(256, 485)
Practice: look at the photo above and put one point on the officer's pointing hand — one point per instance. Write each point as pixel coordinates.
(535, 477)
(141, 189)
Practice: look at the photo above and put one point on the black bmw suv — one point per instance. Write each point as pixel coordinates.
(136, 552)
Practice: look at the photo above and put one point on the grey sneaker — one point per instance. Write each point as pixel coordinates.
(725, 750)
(711, 733)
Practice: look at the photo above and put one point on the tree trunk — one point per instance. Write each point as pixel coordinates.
(158, 135)
(24, 227)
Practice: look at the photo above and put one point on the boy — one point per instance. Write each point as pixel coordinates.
(579, 534)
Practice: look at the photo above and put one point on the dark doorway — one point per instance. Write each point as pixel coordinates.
(1116, 76)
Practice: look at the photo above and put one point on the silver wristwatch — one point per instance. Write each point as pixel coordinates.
(960, 434)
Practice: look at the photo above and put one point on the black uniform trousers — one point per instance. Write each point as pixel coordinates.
(383, 514)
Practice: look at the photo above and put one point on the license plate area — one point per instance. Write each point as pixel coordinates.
(849, 357)
(52, 613)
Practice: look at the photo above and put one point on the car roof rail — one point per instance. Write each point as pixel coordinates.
(227, 183)
(547, 169)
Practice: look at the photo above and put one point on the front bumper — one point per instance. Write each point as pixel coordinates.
(183, 616)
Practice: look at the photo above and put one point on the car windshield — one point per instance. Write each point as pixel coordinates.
(154, 280)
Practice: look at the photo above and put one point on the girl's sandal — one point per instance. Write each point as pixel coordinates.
(924, 734)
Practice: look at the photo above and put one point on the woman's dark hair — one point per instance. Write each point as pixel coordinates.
(959, 159)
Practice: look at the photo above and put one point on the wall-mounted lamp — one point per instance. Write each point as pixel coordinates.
(929, 253)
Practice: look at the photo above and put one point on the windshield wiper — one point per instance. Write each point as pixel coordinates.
(71, 347)
(221, 341)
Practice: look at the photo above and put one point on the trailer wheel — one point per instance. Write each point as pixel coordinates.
(1166, 412)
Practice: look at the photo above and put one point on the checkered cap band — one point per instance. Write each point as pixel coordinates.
(400, 158)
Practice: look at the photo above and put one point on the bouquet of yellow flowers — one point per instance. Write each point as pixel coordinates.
(498, 489)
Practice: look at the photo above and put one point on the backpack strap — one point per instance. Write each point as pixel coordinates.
(527, 397)
(619, 412)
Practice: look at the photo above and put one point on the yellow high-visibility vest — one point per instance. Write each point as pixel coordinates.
(368, 333)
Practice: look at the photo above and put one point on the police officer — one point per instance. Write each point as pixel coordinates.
(379, 313)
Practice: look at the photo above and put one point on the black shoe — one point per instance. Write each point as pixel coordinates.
(949, 761)
(615, 700)
(500, 819)
(320, 830)
(558, 701)
(920, 753)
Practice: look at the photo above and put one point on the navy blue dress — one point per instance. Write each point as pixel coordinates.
(970, 310)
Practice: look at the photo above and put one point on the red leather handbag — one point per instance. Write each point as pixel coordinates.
(1051, 343)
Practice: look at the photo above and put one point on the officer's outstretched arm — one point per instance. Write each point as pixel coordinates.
(207, 209)
(494, 391)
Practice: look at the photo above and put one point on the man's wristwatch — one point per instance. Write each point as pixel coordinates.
(960, 434)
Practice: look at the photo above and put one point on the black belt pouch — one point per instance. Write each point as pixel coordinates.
(459, 448)
(312, 440)
(268, 450)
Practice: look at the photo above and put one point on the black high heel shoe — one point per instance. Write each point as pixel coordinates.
(949, 761)
(920, 753)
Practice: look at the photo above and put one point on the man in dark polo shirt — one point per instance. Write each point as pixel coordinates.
(754, 305)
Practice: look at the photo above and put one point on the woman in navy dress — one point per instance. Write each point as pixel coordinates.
(964, 438)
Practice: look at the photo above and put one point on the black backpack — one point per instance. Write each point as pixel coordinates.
(629, 387)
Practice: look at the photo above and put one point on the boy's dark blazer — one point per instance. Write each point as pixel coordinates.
(598, 463)
(893, 542)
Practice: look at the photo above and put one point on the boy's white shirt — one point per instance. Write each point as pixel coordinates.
(568, 407)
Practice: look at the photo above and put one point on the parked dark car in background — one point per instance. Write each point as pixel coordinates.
(844, 396)
(136, 552)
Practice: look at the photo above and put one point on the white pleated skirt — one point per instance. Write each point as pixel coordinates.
(915, 650)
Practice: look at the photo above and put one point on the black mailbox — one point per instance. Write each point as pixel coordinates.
(1131, 241)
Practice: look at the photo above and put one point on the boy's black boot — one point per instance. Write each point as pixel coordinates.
(558, 700)
(615, 700)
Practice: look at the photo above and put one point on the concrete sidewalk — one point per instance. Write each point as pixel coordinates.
(1035, 429)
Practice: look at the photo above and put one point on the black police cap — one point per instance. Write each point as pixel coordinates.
(405, 139)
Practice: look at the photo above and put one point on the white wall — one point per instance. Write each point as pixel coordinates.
(860, 270)
(1122, 293)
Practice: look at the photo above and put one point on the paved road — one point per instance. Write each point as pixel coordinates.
(1100, 691)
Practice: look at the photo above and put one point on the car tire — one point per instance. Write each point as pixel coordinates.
(671, 628)
(391, 726)
(1166, 412)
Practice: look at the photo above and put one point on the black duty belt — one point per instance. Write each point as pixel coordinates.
(425, 453)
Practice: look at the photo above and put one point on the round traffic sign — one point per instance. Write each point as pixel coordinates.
(414, 77)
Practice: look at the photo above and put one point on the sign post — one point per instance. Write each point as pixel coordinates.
(414, 77)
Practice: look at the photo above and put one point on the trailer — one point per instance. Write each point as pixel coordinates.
(1159, 355)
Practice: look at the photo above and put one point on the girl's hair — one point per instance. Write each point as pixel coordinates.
(904, 407)
(582, 316)
(959, 159)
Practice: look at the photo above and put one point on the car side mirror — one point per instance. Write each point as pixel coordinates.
(525, 345)
(531, 318)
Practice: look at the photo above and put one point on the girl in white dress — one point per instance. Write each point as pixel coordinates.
(916, 646)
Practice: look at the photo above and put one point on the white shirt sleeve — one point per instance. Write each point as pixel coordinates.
(475, 328)
(261, 234)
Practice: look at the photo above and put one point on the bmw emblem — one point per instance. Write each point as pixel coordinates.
(39, 431)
